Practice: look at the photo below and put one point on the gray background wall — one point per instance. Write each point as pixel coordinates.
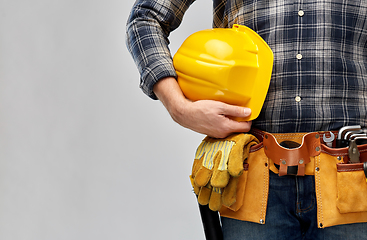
(84, 154)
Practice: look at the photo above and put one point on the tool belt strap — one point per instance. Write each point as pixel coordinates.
(314, 142)
(296, 157)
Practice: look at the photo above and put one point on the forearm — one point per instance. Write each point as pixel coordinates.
(169, 93)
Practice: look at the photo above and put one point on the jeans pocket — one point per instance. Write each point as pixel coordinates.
(351, 188)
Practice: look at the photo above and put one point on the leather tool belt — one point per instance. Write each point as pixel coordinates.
(284, 161)
(341, 187)
(296, 158)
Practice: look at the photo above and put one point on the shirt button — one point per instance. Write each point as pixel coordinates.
(298, 99)
(299, 56)
(301, 13)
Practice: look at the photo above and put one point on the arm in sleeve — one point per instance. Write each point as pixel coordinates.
(147, 31)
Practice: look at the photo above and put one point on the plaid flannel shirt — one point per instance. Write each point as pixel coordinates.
(319, 79)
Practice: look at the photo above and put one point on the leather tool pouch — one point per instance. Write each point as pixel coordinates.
(252, 189)
(352, 188)
(341, 188)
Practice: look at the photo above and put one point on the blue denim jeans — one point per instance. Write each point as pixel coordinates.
(291, 214)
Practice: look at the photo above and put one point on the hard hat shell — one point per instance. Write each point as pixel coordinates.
(232, 65)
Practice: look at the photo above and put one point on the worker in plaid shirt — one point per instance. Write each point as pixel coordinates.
(318, 83)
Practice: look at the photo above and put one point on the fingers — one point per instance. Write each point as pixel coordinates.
(236, 126)
(227, 126)
(221, 118)
(229, 122)
(213, 118)
(236, 111)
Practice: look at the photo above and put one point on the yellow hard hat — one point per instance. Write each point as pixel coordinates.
(232, 65)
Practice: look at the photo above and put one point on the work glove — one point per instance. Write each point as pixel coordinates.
(217, 165)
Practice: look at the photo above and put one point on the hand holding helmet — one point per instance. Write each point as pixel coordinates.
(228, 65)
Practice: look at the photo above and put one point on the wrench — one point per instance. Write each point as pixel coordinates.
(329, 140)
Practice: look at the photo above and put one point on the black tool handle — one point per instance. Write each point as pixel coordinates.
(211, 223)
(341, 143)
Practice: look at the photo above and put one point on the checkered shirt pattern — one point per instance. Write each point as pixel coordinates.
(319, 79)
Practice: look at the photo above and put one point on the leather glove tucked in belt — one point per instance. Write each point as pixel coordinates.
(218, 164)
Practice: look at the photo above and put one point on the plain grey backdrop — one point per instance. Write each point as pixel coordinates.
(84, 154)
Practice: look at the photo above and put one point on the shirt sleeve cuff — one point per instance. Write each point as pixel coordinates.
(153, 73)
